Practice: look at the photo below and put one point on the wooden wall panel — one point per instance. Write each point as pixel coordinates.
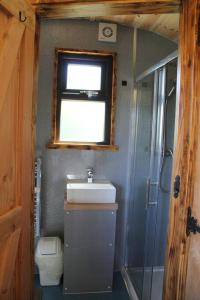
(9, 261)
(12, 36)
(8, 132)
(193, 267)
(4, 21)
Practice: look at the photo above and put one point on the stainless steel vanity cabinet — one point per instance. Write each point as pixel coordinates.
(89, 244)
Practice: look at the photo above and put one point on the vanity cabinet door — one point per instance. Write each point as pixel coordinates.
(89, 251)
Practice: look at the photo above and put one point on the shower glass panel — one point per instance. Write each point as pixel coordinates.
(138, 212)
(151, 179)
(153, 183)
(168, 125)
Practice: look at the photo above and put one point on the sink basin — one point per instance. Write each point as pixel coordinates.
(97, 192)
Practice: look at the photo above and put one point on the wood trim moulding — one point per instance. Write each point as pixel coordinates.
(54, 9)
(88, 2)
(90, 206)
(80, 146)
(85, 51)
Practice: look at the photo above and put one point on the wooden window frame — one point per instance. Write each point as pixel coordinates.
(55, 143)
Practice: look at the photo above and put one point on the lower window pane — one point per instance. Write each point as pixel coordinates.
(82, 121)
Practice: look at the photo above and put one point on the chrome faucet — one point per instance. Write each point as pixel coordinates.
(90, 175)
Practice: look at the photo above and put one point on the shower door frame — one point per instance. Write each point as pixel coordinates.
(158, 65)
(159, 72)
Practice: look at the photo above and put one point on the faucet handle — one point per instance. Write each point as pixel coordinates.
(90, 169)
(90, 175)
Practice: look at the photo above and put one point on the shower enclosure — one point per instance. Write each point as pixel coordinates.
(151, 178)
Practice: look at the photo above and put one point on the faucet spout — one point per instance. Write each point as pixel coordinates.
(90, 175)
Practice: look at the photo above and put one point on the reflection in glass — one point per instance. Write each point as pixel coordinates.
(83, 77)
(138, 215)
(149, 205)
(82, 121)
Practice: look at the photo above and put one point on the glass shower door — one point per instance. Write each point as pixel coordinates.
(144, 193)
(138, 212)
(153, 183)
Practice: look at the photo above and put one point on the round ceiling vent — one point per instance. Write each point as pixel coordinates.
(107, 32)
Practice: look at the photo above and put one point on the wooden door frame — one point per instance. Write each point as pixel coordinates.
(187, 120)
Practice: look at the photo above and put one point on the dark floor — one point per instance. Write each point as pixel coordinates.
(55, 292)
(148, 283)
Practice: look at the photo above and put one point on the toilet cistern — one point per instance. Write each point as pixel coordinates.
(90, 175)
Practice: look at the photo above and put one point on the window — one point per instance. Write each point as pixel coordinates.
(84, 100)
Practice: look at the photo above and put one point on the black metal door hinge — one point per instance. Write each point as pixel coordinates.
(192, 223)
(177, 183)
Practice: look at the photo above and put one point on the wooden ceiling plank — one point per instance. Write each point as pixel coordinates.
(165, 24)
(140, 13)
(38, 2)
(72, 9)
(15, 6)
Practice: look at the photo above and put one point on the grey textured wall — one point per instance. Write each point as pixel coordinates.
(111, 165)
(58, 163)
(151, 48)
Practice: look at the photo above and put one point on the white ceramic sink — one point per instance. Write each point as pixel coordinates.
(97, 192)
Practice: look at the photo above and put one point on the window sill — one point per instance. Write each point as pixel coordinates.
(81, 146)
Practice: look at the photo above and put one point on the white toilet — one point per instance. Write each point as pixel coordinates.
(49, 259)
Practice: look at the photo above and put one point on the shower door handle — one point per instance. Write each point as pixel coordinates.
(149, 185)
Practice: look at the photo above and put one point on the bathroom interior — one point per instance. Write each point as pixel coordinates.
(138, 167)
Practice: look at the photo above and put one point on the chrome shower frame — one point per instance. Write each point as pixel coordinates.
(159, 70)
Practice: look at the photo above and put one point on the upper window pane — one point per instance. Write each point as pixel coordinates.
(83, 77)
(82, 121)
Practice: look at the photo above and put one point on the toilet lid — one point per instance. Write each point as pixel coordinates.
(48, 246)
